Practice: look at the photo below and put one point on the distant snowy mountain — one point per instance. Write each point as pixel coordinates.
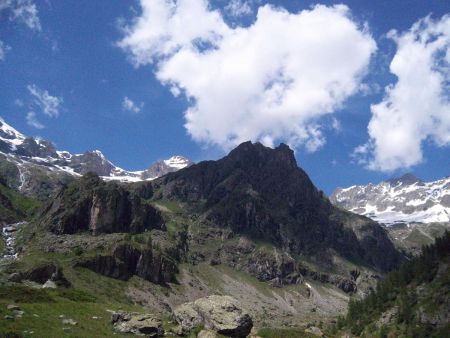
(403, 200)
(35, 157)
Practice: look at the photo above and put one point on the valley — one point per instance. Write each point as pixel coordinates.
(250, 226)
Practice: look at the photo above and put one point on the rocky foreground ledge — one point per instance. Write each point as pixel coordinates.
(216, 314)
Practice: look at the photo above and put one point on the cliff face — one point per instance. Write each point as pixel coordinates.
(89, 204)
(126, 261)
(262, 192)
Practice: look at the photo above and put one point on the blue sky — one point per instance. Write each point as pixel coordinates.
(68, 69)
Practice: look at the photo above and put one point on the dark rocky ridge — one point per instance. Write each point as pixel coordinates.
(90, 204)
(126, 261)
(262, 192)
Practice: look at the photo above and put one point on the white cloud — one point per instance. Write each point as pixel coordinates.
(238, 8)
(33, 121)
(50, 105)
(269, 82)
(3, 50)
(416, 108)
(129, 105)
(23, 10)
(18, 103)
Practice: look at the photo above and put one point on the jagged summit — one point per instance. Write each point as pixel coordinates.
(249, 152)
(39, 159)
(402, 200)
(406, 179)
(261, 192)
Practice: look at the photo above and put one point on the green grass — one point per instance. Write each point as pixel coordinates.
(283, 333)
(43, 309)
(172, 206)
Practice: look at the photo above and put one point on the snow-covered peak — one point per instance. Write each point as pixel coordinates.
(28, 151)
(10, 135)
(403, 200)
(178, 162)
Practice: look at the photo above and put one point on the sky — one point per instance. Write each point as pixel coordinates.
(359, 89)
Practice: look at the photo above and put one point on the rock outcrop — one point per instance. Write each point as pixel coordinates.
(42, 274)
(222, 314)
(89, 204)
(141, 324)
(261, 192)
(126, 261)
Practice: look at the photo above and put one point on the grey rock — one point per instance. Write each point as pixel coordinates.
(138, 323)
(315, 331)
(126, 261)
(69, 321)
(222, 314)
(49, 285)
(12, 307)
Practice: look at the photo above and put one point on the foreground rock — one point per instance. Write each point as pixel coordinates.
(141, 324)
(46, 274)
(221, 314)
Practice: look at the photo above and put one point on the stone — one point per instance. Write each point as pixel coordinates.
(207, 334)
(18, 313)
(138, 323)
(315, 331)
(49, 285)
(42, 274)
(69, 321)
(221, 314)
(12, 307)
(8, 317)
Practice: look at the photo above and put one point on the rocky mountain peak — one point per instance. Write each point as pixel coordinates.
(403, 200)
(406, 179)
(250, 154)
(261, 192)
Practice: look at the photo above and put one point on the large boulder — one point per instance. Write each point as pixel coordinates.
(141, 324)
(222, 314)
(42, 274)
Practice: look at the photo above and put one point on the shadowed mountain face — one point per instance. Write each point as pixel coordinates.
(261, 192)
(89, 204)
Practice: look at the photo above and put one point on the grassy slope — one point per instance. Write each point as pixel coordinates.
(16, 206)
(421, 285)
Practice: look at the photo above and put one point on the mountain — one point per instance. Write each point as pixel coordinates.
(411, 302)
(161, 168)
(35, 167)
(262, 192)
(406, 199)
(251, 226)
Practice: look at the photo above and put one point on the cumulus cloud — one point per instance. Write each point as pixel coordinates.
(238, 8)
(50, 105)
(416, 108)
(33, 121)
(269, 82)
(129, 105)
(22, 10)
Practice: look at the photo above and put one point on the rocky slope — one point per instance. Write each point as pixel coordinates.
(251, 225)
(90, 204)
(262, 193)
(411, 302)
(402, 200)
(35, 167)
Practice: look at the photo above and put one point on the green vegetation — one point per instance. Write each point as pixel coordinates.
(398, 293)
(9, 172)
(14, 206)
(284, 333)
(45, 310)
